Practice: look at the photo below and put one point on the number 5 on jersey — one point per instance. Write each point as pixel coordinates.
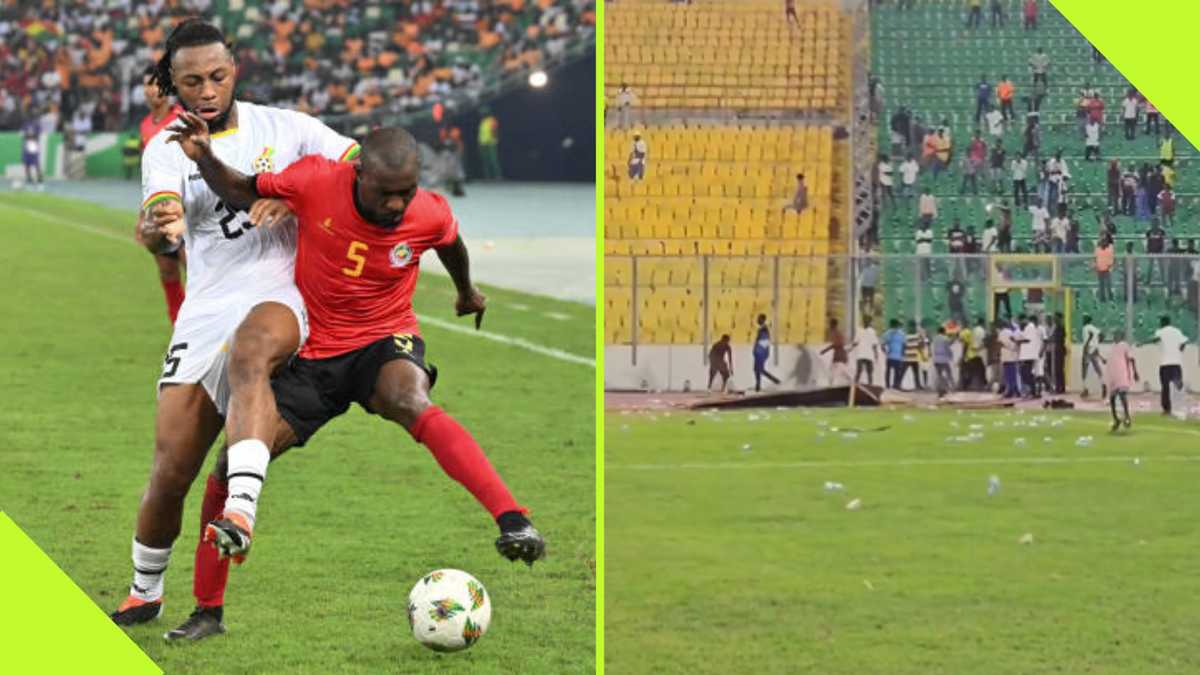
(358, 258)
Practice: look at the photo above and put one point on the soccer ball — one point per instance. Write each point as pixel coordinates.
(448, 610)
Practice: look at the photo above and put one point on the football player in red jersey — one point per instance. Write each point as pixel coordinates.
(162, 112)
(361, 231)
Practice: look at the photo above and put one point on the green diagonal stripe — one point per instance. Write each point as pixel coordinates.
(1152, 44)
(50, 625)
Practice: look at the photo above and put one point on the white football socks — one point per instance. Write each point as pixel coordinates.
(148, 567)
(248, 461)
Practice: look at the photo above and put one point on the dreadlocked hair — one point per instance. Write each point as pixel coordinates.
(192, 32)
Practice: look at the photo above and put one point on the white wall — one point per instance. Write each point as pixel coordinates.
(667, 367)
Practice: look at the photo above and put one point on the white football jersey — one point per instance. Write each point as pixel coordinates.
(226, 255)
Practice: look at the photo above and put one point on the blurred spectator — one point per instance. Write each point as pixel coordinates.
(927, 207)
(1091, 146)
(1166, 150)
(886, 179)
(983, 97)
(909, 171)
(1152, 117)
(625, 100)
(924, 248)
(637, 159)
(1004, 92)
(995, 124)
(1114, 184)
(1166, 206)
(800, 199)
(998, 17)
(901, 126)
(489, 141)
(1039, 65)
(1156, 245)
(31, 153)
(1020, 169)
(1129, 183)
(975, 13)
(1129, 114)
(1176, 268)
(1154, 187)
(1060, 227)
(990, 236)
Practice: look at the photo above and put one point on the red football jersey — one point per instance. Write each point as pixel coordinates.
(357, 278)
(149, 128)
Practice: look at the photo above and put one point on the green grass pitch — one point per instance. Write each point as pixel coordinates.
(723, 559)
(348, 523)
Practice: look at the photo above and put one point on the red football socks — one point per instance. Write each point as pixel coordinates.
(174, 292)
(212, 573)
(463, 460)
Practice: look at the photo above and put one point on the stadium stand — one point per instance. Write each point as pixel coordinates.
(927, 60)
(326, 57)
(709, 213)
(726, 55)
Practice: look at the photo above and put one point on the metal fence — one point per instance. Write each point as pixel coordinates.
(682, 300)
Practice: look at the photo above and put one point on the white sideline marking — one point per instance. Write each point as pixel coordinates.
(967, 461)
(78, 226)
(508, 340)
(433, 321)
(557, 316)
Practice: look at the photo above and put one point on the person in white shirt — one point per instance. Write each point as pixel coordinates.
(1129, 114)
(1091, 143)
(927, 207)
(1060, 226)
(924, 242)
(1056, 171)
(1091, 359)
(1009, 348)
(909, 170)
(1039, 223)
(990, 234)
(1020, 169)
(866, 352)
(625, 100)
(1029, 354)
(1172, 342)
(886, 180)
(995, 123)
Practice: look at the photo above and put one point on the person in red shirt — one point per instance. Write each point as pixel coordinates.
(1031, 14)
(162, 112)
(361, 231)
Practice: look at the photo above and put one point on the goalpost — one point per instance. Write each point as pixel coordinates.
(1029, 283)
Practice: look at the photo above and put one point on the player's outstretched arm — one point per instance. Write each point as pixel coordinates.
(236, 189)
(456, 261)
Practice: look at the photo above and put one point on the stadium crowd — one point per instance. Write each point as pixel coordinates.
(1006, 161)
(77, 64)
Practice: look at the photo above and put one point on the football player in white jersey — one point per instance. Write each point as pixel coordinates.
(242, 317)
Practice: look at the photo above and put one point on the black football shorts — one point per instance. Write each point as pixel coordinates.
(310, 392)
